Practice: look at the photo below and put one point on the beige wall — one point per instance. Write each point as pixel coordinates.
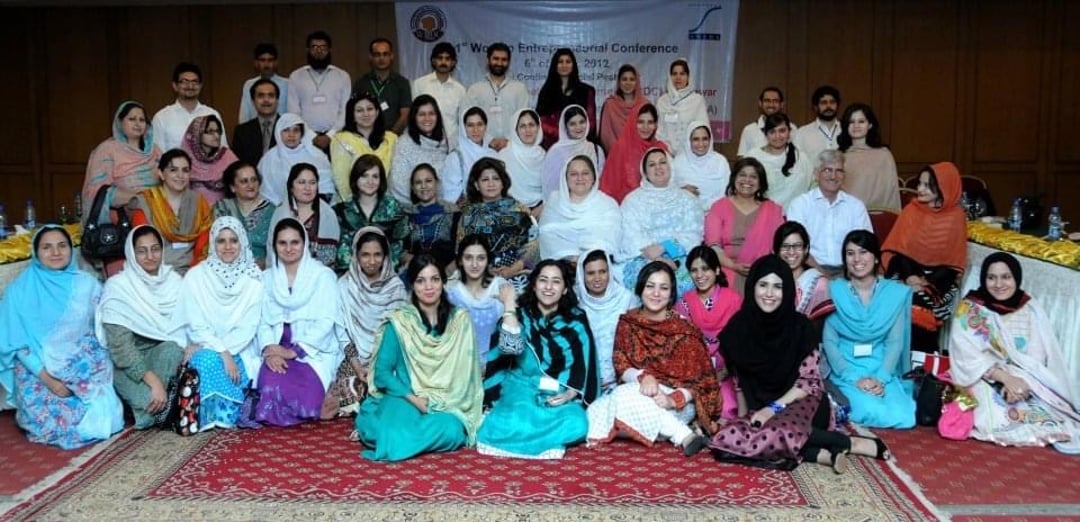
(992, 85)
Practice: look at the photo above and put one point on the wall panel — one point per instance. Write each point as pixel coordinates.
(75, 84)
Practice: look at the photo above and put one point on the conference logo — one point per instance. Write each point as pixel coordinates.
(701, 32)
(428, 23)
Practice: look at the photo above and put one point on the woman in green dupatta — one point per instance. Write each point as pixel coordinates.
(425, 385)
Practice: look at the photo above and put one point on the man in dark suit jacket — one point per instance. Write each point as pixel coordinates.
(252, 138)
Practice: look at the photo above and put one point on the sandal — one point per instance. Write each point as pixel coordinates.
(883, 452)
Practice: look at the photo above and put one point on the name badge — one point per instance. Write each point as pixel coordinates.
(671, 117)
(863, 350)
(384, 106)
(495, 109)
(318, 98)
(548, 384)
(180, 246)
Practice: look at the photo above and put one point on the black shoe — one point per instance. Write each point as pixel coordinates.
(695, 446)
(883, 452)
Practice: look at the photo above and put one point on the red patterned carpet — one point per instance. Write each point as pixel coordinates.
(23, 463)
(979, 481)
(313, 473)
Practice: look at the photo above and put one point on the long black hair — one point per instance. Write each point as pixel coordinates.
(773, 121)
(378, 131)
(531, 305)
(442, 314)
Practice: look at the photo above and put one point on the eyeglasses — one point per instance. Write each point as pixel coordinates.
(792, 247)
(829, 171)
(189, 82)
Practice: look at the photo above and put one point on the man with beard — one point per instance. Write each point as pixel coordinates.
(171, 122)
(391, 89)
(821, 133)
(252, 138)
(442, 86)
(499, 96)
(266, 55)
(770, 101)
(319, 91)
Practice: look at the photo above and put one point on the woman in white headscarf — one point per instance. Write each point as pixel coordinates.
(579, 217)
(573, 141)
(701, 171)
(679, 106)
(369, 291)
(524, 159)
(220, 312)
(661, 222)
(297, 333)
(604, 299)
(136, 321)
(471, 145)
(294, 145)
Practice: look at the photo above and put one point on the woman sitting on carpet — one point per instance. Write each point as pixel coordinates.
(548, 374)
(927, 250)
(604, 300)
(426, 387)
(477, 291)
(369, 291)
(792, 243)
(137, 322)
(709, 306)
(1004, 351)
(867, 339)
(54, 371)
(771, 349)
(297, 333)
(667, 377)
(220, 312)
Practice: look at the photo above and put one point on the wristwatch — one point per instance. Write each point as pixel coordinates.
(777, 406)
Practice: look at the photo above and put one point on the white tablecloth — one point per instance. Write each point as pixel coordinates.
(1058, 290)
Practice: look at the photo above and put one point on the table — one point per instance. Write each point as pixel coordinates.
(1056, 287)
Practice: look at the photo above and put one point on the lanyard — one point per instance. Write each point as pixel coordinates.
(378, 90)
(318, 83)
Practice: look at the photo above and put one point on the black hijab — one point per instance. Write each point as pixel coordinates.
(765, 350)
(982, 295)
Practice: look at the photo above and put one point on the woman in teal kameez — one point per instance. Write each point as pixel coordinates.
(548, 374)
(425, 386)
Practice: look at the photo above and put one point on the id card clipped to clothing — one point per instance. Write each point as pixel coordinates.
(863, 350)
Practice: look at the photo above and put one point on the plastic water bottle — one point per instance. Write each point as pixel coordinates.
(1055, 223)
(76, 210)
(31, 215)
(965, 204)
(1016, 215)
(3, 223)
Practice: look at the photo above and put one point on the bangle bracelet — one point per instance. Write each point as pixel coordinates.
(510, 313)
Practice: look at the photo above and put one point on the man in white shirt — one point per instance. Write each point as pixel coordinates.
(442, 86)
(828, 213)
(770, 101)
(499, 96)
(266, 55)
(319, 91)
(171, 122)
(819, 135)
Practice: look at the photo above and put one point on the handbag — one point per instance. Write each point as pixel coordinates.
(104, 239)
(928, 396)
(184, 411)
(958, 414)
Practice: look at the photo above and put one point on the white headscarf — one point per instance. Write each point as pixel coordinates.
(571, 229)
(709, 172)
(140, 302)
(220, 304)
(525, 164)
(459, 163)
(366, 304)
(653, 214)
(688, 105)
(603, 313)
(275, 164)
(566, 148)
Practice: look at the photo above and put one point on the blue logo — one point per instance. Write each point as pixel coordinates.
(697, 33)
(428, 23)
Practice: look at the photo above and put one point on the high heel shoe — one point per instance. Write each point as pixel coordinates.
(883, 452)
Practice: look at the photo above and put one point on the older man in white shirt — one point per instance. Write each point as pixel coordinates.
(828, 213)
(171, 122)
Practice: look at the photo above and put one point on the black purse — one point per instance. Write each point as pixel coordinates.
(104, 239)
(928, 396)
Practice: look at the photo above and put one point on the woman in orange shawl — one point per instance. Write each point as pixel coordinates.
(620, 105)
(181, 215)
(622, 169)
(927, 249)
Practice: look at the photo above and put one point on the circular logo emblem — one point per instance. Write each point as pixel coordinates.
(428, 23)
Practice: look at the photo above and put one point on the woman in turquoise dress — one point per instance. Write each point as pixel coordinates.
(548, 375)
(56, 373)
(426, 391)
(868, 339)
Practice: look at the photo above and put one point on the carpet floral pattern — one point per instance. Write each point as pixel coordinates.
(313, 472)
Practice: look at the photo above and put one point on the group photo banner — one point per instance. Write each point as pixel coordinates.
(603, 35)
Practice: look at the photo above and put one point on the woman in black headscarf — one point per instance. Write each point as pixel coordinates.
(772, 351)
